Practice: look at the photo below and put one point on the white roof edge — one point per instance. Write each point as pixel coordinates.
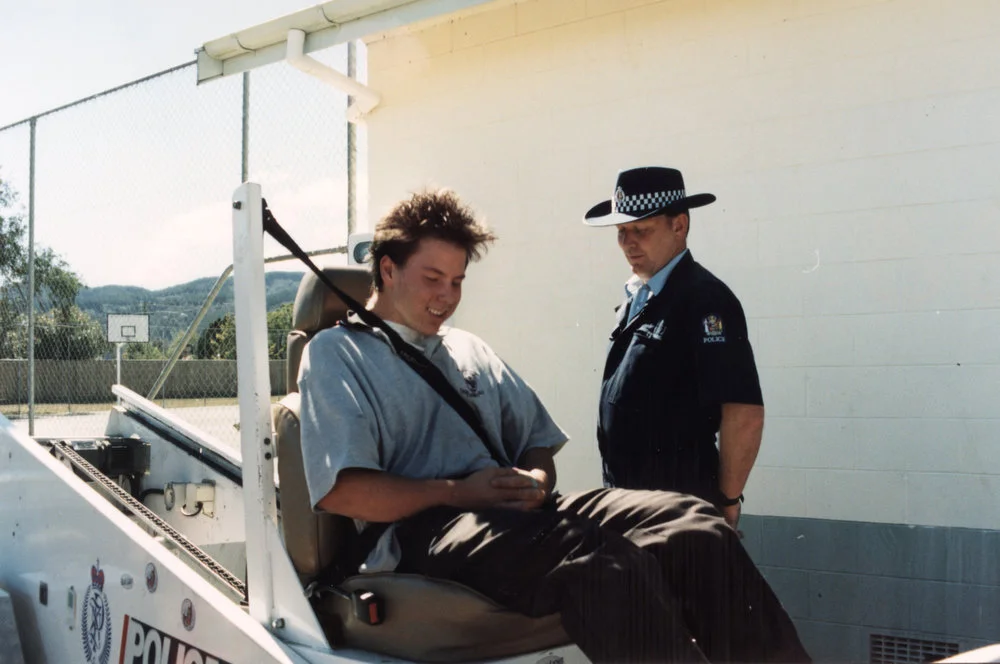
(328, 24)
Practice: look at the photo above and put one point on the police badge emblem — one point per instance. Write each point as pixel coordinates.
(714, 330)
(95, 619)
(619, 198)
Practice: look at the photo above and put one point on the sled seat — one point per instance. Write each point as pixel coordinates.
(424, 619)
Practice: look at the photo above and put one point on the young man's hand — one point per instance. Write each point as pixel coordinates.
(498, 487)
(536, 481)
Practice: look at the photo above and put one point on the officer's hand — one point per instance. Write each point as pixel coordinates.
(534, 481)
(484, 488)
(732, 516)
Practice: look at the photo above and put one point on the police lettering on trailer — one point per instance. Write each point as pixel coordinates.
(668, 372)
(144, 644)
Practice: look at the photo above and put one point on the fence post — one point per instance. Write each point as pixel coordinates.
(31, 280)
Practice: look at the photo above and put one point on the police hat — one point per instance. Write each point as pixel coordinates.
(645, 192)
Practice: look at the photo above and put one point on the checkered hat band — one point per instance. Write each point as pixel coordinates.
(653, 200)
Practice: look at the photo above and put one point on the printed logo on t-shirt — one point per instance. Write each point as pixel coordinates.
(471, 388)
(714, 331)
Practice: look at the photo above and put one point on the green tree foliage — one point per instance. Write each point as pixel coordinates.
(56, 285)
(154, 350)
(68, 334)
(279, 322)
(218, 341)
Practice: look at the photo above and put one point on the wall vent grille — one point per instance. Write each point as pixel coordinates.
(885, 649)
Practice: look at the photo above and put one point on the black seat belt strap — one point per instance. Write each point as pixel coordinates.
(413, 357)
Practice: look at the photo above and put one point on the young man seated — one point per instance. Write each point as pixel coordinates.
(634, 575)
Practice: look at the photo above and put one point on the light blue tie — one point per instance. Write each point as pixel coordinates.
(639, 301)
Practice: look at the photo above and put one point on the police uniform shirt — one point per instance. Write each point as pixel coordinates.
(669, 369)
(638, 293)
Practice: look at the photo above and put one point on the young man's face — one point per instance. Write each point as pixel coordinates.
(424, 293)
(650, 244)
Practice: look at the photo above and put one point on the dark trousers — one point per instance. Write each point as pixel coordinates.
(636, 575)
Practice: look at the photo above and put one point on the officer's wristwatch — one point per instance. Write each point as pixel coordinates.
(729, 502)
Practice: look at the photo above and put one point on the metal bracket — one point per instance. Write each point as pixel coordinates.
(195, 498)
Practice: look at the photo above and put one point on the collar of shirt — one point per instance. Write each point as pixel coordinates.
(426, 343)
(656, 282)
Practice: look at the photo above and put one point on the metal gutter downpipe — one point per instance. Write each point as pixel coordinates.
(352, 149)
(365, 99)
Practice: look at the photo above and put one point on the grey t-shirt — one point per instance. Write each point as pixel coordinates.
(364, 407)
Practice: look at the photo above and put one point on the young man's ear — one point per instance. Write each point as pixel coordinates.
(387, 269)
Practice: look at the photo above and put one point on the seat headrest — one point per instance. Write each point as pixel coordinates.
(317, 307)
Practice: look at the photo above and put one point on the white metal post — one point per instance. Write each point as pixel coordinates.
(118, 365)
(276, 597)
(254, 396)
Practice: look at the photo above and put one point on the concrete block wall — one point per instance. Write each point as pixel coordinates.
(845, 581)
(852, 145)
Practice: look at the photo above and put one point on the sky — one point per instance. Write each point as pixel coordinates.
(134, 188)
(57, 51)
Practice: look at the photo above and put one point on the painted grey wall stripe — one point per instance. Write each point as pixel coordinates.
(842, 581)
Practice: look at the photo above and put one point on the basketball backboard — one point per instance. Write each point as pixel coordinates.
(128, 328)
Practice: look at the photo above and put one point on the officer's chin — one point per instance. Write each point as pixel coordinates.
(639, 272)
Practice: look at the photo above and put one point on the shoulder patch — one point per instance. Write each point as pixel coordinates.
(714, 329)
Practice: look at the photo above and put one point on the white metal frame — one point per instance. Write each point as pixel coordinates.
(276, 597)
(62, 527)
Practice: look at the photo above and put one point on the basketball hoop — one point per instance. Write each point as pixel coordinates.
(126, 329)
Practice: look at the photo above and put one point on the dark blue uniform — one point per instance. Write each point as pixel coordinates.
(667, 374)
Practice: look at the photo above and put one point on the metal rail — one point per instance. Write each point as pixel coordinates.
(179, 349)
(127, 500)
(104, 93)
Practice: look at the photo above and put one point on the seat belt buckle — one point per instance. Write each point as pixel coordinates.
(368, 607)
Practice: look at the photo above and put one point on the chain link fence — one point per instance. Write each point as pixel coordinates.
(125, 197)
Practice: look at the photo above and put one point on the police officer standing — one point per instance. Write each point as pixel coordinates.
(679, 368)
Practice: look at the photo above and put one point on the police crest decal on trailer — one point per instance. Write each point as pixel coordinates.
(95, 619)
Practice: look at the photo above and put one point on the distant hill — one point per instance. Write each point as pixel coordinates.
(172, 309)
